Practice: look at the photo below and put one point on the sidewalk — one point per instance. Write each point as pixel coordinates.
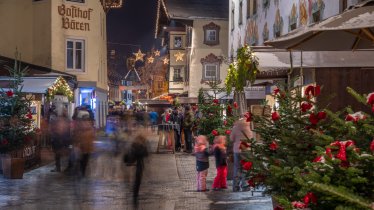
(168, 183)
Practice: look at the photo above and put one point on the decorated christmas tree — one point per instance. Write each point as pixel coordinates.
(313, 158)
(217, 118)
(16, 127)
(287, 141)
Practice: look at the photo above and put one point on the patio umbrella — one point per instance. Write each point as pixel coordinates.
(351, 30)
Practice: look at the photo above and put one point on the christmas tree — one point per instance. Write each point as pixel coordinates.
(216, 118)
(16, 128)
(308, 157)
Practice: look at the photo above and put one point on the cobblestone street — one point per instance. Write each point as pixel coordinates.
(169, 183)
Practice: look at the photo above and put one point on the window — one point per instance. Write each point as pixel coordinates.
(79, 1)
(211, 34)
(240, 13)
(248, 8)
(75, 54)
(177, 77)
(211, 68)
(210, 72)
(177, 42)
(254, 7)
(232, 19)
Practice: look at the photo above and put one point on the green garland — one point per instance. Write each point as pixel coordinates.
(60, 87)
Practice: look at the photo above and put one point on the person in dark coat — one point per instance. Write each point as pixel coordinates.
(176, 119)
(220, 154)
(60, 135)
(188, 122)
(136, 154)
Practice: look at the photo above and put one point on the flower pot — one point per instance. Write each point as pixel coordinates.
(13, 168)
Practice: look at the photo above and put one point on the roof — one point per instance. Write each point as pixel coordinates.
(198, 9)
(31, 84)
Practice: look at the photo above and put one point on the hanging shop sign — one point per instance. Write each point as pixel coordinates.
(74, 17)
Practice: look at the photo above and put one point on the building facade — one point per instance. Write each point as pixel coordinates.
(197, 38)
(254, 22)
(65, 35)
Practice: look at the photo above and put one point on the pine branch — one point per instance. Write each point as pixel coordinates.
(342, 194)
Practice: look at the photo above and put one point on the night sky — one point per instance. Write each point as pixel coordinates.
(133, 24)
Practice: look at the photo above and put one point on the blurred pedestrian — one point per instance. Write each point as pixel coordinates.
(60, 135)
(136, 154)
(238, 134)
(188, 122)
(202, 162)
(83, 136)
(153, 116)
(219, 151)
(176, 120)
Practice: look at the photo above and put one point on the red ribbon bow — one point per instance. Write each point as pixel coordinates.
(342, 148)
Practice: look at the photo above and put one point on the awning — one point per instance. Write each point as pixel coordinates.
(33, 84)
(271, 59)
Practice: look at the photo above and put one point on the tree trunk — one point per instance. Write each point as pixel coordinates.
(239, 97)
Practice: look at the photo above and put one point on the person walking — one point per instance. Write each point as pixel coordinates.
(176, 120)
(83, 137)
(240, 128)
(202, 162)
(60, 135)
(219, 151)
(188, 121)
(136, 154)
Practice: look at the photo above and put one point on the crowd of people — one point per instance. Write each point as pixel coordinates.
(77, 136)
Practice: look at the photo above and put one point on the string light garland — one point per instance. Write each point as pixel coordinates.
(60, 87)
(179, 56)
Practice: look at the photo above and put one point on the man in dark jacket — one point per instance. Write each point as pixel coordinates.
(176, 120)
(137, 152)
(188, 122)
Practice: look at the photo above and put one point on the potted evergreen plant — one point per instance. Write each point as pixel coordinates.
(16, 128)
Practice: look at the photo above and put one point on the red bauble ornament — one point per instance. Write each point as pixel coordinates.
(215, 101)
(214, 132)
(372, 146)
(228, 132)
(273, 146)
(310, 197)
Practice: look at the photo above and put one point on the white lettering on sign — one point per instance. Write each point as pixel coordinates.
(29, 151)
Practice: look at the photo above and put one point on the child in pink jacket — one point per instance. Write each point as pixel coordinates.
(202, 162)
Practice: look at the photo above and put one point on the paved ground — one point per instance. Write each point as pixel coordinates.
(169, 183)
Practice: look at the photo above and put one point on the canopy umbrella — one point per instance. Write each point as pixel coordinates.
(351, 30)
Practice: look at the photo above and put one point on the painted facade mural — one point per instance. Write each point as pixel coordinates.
(275, 17)
(265, 32)
(316, 10)
(251, 36)
(292, 19)
(303, 14)
(278, 24)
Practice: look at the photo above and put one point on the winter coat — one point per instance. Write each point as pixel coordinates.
(240, 127)
(220, 156)
(188, 120)
(202, 157)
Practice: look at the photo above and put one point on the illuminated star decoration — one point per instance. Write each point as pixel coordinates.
(139, 56)
(166, 60)
(150, 59)
(157, 53)
(178, 56)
